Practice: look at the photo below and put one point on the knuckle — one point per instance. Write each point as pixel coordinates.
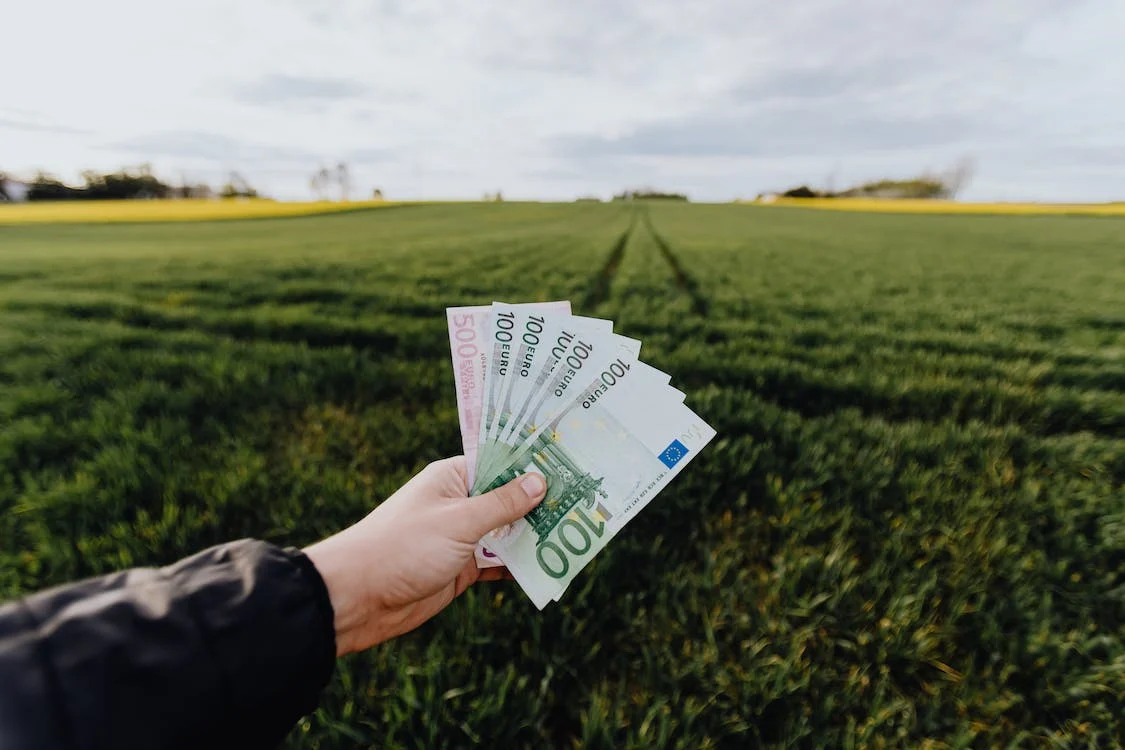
(437, 468)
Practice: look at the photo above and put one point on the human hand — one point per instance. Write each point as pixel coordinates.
(411, 556)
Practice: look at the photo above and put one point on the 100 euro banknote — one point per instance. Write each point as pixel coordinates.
(574, 361)
(624, 437)
(523, 341)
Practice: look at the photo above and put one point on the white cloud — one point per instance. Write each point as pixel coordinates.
(548, 99)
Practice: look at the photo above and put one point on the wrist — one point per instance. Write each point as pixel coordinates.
(332, 560)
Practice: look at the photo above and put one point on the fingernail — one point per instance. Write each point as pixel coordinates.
(533, 484)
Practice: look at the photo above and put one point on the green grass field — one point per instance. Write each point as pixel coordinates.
(910, 529)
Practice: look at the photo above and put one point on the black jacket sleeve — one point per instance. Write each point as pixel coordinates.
(227, 648)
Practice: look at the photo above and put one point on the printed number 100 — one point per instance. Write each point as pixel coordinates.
(574, 537)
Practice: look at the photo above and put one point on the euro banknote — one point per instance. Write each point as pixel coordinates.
(605, 458)
(539, 389)
(470, 351)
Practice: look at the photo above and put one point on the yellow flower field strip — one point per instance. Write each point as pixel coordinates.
(84, 212)
(949, 207)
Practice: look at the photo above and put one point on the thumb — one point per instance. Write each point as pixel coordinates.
(505, 504)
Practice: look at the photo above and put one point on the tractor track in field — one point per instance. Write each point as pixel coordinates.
(602, 282)
(700, 305)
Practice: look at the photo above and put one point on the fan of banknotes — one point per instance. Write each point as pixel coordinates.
(539, 389)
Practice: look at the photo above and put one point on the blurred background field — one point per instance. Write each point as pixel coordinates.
(909, 530)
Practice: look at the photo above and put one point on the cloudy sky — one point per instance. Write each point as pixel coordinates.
(718, 98)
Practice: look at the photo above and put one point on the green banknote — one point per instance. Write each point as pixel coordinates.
(623, 437)
(526, 342)
(510, 329)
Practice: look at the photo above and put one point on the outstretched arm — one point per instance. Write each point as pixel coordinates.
(229, 647)
(223, 649)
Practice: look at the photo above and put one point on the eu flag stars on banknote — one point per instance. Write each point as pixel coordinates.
(540, 389)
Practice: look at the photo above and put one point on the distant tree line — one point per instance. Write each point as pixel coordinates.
(944, 186)
(649, 194)
(131, 183)
(920, 187)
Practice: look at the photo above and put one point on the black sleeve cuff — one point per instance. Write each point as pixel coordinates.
(266, 618)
